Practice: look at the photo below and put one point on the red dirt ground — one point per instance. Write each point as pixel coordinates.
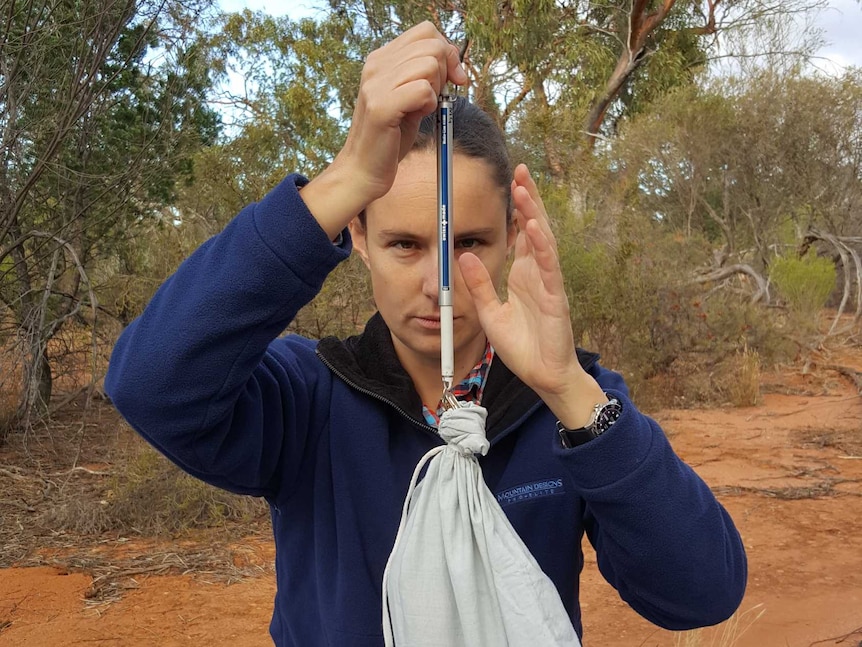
(788, 470)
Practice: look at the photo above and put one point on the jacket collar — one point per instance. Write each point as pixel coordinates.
(368, 363)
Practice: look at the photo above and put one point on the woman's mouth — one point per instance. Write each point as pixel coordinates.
(429, 323)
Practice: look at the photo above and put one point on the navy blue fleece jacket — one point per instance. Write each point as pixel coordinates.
(329, 432)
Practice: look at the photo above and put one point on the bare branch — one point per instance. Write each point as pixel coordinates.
(762, 293)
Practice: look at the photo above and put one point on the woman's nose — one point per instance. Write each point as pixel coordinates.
(430, 276)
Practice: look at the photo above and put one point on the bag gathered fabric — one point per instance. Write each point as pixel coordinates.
(458, 574)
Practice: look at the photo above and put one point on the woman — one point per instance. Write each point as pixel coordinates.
(330, 432)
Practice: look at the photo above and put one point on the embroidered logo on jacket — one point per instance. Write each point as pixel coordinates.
(528, 491)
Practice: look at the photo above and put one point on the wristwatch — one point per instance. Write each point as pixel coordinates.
(604, 415)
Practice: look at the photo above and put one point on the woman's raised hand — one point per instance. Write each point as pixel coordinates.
(532, 330)
(400, 85)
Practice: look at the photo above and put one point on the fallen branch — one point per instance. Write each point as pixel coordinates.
(847, 254)
(720, 273)
(854, 375)
(12, 475)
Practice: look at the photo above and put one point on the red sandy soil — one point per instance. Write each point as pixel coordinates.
(788, 470)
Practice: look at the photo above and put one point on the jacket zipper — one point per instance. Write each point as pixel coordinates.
(424, 427)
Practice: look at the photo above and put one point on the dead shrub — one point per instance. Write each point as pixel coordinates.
(154, 497)
(77, 514)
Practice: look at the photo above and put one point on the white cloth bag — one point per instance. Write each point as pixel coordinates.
(458, 574)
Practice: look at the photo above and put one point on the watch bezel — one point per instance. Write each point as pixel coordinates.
(606, 414)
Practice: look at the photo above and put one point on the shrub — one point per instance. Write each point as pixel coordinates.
(630, 302)
(804, 283)
(677, 342)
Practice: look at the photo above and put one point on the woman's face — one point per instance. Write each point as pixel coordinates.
(399, 246)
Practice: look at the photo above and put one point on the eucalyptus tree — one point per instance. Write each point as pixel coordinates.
(562, 73)
(101, 106)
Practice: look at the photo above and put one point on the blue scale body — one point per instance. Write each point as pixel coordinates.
(445, 241)
(444, 198)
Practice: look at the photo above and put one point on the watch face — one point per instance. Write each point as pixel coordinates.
(606, 417)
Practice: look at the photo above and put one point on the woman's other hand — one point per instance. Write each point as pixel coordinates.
(532, 330)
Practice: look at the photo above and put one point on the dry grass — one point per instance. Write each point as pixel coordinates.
(726, 634)
(113, 573)
(743, 386)
(699, 380)
(87, 481)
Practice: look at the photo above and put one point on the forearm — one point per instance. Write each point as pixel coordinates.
(334, 198)
(573, 405)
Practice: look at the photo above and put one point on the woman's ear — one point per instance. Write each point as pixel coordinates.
(360, 241)
(511, 236)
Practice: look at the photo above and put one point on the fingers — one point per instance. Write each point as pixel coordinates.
(398, 78)
(454, 72)
(529, 204)
(425, 40)
(480, 286)
(545, 255)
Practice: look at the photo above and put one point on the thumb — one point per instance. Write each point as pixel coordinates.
(480, 286)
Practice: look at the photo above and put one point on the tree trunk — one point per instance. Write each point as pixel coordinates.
(38, 385)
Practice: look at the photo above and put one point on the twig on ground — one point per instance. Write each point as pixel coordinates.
(817, 491)
(80, 469)
(813, 406)
(12, 475)
(837, 639)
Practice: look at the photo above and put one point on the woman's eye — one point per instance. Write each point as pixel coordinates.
(469, 243)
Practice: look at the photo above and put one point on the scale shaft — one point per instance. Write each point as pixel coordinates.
(445, 240)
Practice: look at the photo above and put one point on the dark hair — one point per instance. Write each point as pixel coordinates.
(476, 135)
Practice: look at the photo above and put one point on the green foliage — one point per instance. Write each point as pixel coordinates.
(628, 303)
(102, 107)
(804, 283)
(300, 81)
(748, 163)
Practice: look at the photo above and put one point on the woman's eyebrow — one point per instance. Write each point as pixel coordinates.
(403, 234)
(482, 232)
(398, 233)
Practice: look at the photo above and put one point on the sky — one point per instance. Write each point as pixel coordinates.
(841, 23)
